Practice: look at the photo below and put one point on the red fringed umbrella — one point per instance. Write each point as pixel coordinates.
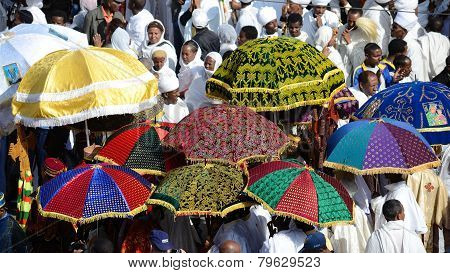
(227, 134)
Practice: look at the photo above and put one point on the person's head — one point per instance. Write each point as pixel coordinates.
(115, 24)
(227, 34)
(247, 33)
(160, 241)
(404, 63)
(267, 17)
(393, 210)
(230, 246)
(155, 30)
(168, 87)
(59, 17)
(22, 17)
(212, 61)
(304, 227)
(199, 19)
(435, 24)
(353, 15)
(368, 83)
(325, 37)
(113, 5)
(136, 6)
(245, 3)
(2, 204)
(188, 51)
(319, 7)
(51, 168)
(384, 3)
(159, 57)
(295, 23)
(403, 23)
(101, 245)
(295, 6)
(398, 47)
(315, 243)
(373, 54)
(394, 177)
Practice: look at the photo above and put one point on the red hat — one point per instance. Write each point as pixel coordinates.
(53, 167)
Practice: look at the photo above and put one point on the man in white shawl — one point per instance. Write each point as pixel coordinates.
(247, 228)
(190, 57)
(195, 97)
(353, 238)
(248, 16)
(435, 47)
(211, 8)
(267, 18)
(325, 40)
(155, 38)
(319, 16)
(34, 6)
(174, 108)
(120, 40)
(353, 37)
(414, 217)
(394, 236)
(378, 11)
(137, 22)
(407, 28)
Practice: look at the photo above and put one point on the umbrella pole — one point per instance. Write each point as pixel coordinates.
(86, 129)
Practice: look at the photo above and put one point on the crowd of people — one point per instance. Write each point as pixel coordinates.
(376, 44)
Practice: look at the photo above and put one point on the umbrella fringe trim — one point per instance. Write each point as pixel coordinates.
(87, 114)
(222, 214)
(342, 167)
(421, 130)
(139, 171)
(296, 217)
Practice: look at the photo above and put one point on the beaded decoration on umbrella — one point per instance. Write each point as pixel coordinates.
(93, 192)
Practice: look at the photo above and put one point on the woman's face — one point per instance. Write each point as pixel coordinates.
(154, 35)
(210, 63)
(187, 54)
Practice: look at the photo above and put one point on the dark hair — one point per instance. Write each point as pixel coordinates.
(25, 16)
(59, 13)
(365, 75)
(294, 18)
(401, 60)
(355, 11)
(192, 44)
(139, 4)
(391, 209)
(435, 24)
(371, 47)
(102, 245)
(156, 25)
(303, 226)
(115, 24)
(397, 46)
(250, 32)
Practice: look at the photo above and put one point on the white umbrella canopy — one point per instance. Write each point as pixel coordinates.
(67, 34)
(18, 53)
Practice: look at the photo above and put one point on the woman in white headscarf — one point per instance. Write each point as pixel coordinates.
(195, 97)
(175, 109)
(325, 40)
(155, 38)
(227, 37)
(34, 6)
(120, 40)
(190, 57)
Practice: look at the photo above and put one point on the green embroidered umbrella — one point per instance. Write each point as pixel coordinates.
(275, 74)
(288, 188)
(200, 189)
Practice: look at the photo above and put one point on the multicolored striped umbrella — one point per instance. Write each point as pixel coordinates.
(137, 147)
(379, 146)
(288, 188)
(94, 192)
(200, 189)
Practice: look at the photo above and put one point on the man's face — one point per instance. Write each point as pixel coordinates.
(56, 20)
(114, 5)
(2, 212)
(295, 8)
(209, 63)
(319, 10)
(351, 20)
(172, 96)
(397, 31)
(374, 57)
(158, 62)
(371, 87)
(242, 38)
(295, 29)
(271, 27)
(187, 54)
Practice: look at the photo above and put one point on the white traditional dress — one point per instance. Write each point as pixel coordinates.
(382, 17)
(310, 23)
(136, 26)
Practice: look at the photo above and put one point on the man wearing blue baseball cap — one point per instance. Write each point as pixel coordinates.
(315, 243)
(12, 237)
(160, 242)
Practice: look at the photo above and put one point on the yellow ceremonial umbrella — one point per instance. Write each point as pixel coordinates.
(71, 86)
